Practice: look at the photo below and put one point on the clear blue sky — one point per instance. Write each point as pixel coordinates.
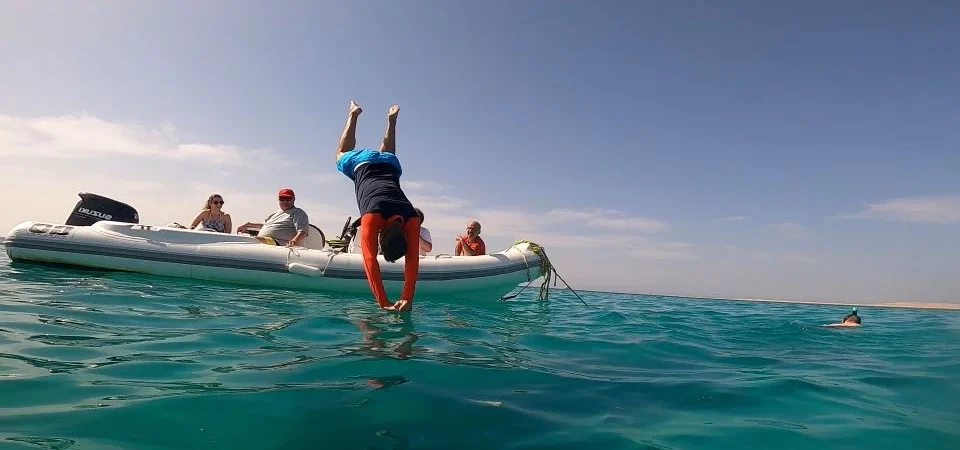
(752, 130)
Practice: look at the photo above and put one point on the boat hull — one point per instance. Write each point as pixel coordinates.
(241, 259)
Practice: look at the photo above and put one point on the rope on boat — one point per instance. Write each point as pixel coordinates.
(547, 271)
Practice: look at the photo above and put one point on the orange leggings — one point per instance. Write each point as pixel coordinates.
(370, 226)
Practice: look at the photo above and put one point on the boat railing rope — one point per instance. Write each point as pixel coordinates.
(323, 272)
(325, 266)
(547, 271)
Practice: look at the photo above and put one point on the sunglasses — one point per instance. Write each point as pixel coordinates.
(285, 199)
(217, 202)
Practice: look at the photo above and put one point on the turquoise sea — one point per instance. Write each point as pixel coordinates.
(98, 360)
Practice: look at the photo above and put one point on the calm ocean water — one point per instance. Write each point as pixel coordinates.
(97, 360)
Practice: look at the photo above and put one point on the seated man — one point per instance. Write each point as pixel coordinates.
(470, 244)
(287, 226)
(426, 242)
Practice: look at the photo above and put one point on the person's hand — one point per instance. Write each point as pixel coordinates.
(400, 306)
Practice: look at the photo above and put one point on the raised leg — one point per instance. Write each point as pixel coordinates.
(389, 143)
(348, 139)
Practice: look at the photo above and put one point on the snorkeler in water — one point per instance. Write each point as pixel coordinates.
(849, 320)
(852, 317)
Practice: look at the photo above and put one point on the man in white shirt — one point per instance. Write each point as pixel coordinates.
(426, 242)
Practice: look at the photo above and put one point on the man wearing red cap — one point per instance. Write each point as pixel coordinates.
(287, 226)
(385, 211)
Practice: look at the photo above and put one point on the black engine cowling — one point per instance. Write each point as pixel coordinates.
(93, 208)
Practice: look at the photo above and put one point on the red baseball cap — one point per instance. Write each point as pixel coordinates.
(285, 192)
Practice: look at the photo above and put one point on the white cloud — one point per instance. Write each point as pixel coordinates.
(609, 219)
(84, 136)
(504, 219)
(671, 251)
(587, 241)
(573, 214)
(507, 225)
(637, 224)
(149, 168)
(419, 185)
(636, 247)
(792, 230)
(768, 256)
(731, 219)
(923, 209)
(324, 178)
(443, 203)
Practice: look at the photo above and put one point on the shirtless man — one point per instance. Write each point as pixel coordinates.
(386, 215)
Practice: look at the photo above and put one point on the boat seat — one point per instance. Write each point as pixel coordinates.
(316, 239)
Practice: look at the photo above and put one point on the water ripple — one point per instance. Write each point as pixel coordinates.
(91, 359)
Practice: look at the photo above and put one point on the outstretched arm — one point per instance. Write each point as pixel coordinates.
(370, 225)
(301, 235)
(197, 219)
(243, 228)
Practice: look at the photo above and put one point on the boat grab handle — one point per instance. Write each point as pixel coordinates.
(309, 271)
(305, 270)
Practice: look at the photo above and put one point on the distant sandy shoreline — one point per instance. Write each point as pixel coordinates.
(908, 305)
(905, 305)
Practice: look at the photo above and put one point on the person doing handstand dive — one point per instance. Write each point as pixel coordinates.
(387, 217)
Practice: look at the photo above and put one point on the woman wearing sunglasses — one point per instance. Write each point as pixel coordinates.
(212, 217)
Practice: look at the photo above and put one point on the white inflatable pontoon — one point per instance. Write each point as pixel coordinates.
(242, 259)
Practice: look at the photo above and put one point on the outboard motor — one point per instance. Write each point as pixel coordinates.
(93, 208)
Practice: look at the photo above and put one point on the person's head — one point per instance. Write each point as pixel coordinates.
(286, 198)
(214, 202)
(393, 242)
(852, 317)
(473, 228)
(419, 214)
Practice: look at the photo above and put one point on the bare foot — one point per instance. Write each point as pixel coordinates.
(392, 112)
(355, 109)
(400, 306)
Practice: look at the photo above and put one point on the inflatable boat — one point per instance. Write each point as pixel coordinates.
(104, 234)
